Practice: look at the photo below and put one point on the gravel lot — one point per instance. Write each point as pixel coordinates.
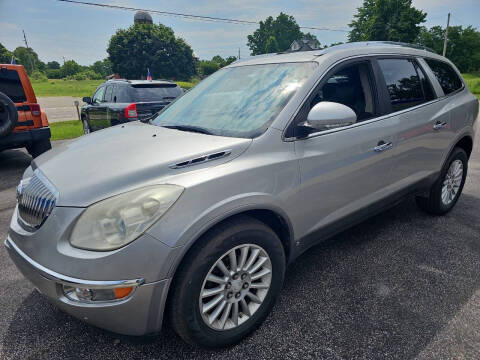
(400, 285)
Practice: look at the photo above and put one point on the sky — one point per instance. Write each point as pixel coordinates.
(56, 30)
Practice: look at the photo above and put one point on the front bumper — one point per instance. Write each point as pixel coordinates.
(139, 314)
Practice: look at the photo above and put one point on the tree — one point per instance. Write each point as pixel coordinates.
(141, 46)
(70, 68)
(223, 62)
(102, 67)
(5, 55)
(276, 35)
(53, 65)
(463, 46)
(388, 20)
(28, 58)
(207, 67)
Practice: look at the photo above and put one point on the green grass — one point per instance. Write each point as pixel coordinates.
(66, 129)
(473, 82)
(59, 87)
(78, 88)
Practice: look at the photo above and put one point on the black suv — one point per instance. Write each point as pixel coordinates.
(119, 101)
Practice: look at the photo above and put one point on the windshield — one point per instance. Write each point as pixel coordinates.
(239, 101)
(155, 92)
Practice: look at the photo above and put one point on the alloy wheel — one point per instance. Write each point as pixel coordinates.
(452, 182)
(235, 287)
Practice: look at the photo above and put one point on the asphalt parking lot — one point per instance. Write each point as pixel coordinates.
(401, 285)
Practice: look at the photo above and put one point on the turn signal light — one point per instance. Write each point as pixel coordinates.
(94, 295)
(122, 292)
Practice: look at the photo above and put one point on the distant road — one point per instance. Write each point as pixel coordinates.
(59, 108)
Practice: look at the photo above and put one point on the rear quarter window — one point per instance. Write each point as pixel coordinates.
(11, 85)
(446, 76)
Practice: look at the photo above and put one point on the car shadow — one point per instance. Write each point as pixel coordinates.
(12, 165)
(382, 289)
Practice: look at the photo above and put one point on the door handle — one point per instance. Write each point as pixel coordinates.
(382, 146)
(438, 125)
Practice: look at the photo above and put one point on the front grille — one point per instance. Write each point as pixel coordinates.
(36, 199)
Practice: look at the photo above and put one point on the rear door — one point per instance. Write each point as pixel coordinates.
(344, 171)
(418, 116)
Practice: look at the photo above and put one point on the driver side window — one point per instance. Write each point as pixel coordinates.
(350, 86)
(98, 96)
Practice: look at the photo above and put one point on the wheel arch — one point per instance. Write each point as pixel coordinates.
(273, 218)
(465, 143)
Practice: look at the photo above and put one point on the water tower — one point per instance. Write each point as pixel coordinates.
(142, 17)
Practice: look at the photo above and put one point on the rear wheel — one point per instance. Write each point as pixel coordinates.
(8, 115)
(39, 147)
(445, 192)
(228, 284)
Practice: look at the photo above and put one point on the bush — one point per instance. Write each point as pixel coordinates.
(54, 73)
(86, 75)
(207, 67)
(38, 76)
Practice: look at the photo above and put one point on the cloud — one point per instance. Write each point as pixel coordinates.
(4, 26)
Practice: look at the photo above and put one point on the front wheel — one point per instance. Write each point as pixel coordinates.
(228, 283)
(86, 127)
(445, 192)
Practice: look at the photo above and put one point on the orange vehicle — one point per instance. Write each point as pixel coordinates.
(22, 122)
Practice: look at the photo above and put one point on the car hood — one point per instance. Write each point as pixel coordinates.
(125, 157)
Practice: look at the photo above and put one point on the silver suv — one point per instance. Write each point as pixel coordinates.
(197, 213)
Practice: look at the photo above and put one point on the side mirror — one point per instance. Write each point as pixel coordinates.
(329, 115)
(87, 99)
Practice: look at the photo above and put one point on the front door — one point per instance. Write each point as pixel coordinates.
(344, 171)
(97, 110)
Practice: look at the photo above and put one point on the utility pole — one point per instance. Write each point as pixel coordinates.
(63, 60)
(238, 53)
(446, 36)
(28, 52)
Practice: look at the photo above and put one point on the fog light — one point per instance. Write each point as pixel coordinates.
(93, 295)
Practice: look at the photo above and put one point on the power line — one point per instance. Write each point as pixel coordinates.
(190, 16)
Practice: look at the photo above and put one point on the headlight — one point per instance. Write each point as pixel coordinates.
(117, 221)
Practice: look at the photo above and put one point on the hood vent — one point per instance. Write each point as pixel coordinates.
(201, 159)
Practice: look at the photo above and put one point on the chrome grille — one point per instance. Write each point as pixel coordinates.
(36, 199)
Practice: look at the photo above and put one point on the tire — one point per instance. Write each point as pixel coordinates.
(190, 280)
(39, 147)
(86, 128)
(437, 202)
(8, 115)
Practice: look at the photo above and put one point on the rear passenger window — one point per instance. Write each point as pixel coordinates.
(446, 76)
(11, 85)
(108, 94)
(403, 83)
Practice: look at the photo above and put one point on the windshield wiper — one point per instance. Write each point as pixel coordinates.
(190, 128)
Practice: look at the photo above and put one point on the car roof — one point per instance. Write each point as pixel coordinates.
(343, 50)
(140, 82)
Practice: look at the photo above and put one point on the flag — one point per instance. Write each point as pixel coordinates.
(149, 77)
(12, 61)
